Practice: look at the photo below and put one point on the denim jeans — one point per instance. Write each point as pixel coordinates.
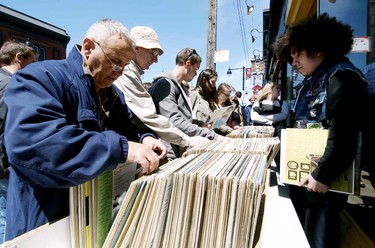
(319, 215)
(3, 205)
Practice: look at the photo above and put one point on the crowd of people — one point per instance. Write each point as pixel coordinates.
(83, 115)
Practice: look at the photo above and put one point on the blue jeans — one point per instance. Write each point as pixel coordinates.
(319, 215)
(3, 207)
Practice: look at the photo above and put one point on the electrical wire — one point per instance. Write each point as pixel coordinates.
(243, 33)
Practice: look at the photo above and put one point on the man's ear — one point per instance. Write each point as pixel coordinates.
(87, 46)
(18, 58)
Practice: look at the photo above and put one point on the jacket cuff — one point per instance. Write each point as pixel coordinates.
(124, 149)
(321, 176)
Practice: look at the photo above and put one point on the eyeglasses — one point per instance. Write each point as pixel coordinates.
(155, 53)
(191, 54)
(225, 94)
(115, 67)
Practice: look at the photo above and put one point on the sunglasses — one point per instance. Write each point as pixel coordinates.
(191, 54)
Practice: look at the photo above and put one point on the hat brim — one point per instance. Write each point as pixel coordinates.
(150, 45)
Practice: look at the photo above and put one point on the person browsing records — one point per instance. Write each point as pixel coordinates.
(204, 97)
(237, 116)
(66, 109)
(147, 51)
(269, 109)
(172, 101)
(317, 48)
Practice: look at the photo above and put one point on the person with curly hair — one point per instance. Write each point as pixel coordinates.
(317, 48)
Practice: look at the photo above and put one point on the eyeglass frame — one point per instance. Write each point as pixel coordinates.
(115, 67)
(155, 53)
(225, 94)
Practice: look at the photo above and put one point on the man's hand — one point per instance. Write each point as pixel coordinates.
(156, 145)
(144, 156)
(236, 127)
(207, 125)
(313, 185)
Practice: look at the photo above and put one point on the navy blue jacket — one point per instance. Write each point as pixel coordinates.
(54, 138)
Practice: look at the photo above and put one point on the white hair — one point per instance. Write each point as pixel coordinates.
(103, 29)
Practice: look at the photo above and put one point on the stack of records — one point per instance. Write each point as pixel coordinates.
(207, 199)
(94, 204)
(268, 146)
(252, 132)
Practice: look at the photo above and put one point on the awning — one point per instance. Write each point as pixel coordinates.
(300, 9)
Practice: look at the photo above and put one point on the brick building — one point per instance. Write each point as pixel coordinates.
(49, 41)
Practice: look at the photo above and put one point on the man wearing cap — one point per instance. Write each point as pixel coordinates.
(139, 101)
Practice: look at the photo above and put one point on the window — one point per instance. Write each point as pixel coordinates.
(2, 39)
(56, 53)
(41, 54)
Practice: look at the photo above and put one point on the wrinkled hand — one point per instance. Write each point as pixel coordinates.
(144, 156)
(314, 185)
(196, 140)
(156, 145)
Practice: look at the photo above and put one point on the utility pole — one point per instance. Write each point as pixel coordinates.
(211, 34)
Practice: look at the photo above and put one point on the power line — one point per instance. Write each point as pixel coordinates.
(243, 33)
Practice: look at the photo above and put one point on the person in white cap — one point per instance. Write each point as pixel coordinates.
(137, 98)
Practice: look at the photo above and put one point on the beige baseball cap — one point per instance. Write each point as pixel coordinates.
(146, 37)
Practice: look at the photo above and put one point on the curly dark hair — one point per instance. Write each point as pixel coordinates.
(204, 87)
(324, 35)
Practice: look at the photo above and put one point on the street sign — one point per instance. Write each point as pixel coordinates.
(248, 72)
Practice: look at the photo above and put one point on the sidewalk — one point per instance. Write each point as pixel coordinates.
(358, 219)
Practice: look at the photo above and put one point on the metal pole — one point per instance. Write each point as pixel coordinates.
(243, 78)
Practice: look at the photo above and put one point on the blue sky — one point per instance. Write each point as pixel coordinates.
(179, 24)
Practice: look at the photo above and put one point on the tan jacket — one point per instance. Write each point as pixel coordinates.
(201, 110)
(142, 106)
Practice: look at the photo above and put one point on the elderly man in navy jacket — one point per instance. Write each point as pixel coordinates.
(57, 131)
